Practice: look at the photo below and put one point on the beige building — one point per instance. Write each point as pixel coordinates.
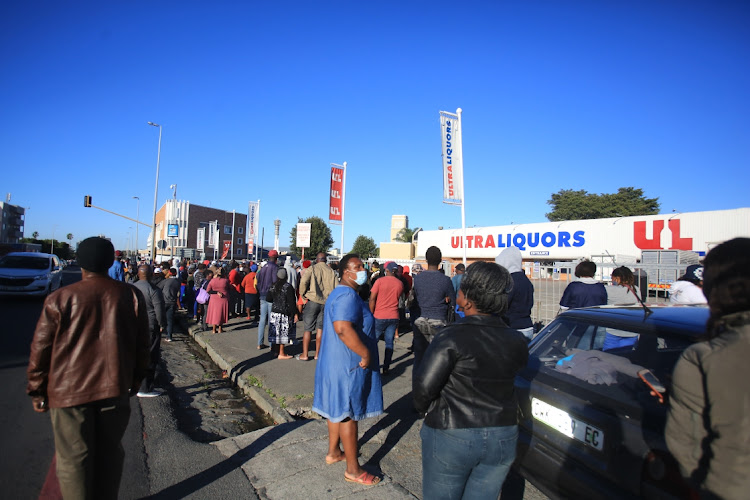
(397, 250)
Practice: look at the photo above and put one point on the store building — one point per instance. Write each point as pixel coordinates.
(186, 230)
(620, 238)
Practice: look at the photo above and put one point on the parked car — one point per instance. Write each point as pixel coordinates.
(30, 274)
(591, 426)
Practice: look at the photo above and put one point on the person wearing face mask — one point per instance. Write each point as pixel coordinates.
(347, 379)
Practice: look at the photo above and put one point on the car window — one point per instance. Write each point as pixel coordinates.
(649, 350)
(24, 262)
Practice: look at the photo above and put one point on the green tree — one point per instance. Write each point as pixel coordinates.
(69, 237)
(320, 237)
(365, 247)
(568, 204)
(35, 235)
(405, 235)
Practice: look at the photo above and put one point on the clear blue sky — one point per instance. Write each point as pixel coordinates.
(256, 99)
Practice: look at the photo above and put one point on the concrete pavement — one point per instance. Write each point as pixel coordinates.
(288, 460)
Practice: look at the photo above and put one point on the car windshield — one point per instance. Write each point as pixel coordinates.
(654, 350)
(24, 262)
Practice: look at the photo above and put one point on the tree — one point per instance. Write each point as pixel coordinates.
(405, 235)
(35, 235)
(568, 204)
(365, 247)
(320, 237)
(69, 236)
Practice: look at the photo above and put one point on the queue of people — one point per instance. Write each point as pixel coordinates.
(467, 448)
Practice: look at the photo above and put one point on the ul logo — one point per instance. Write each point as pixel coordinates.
(654, 243)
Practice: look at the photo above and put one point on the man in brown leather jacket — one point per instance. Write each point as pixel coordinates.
(89, 353)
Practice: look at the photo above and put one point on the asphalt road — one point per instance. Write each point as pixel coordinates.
(26, 436)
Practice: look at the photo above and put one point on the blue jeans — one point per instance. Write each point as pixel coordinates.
(386, 327)
(466, 463)
(265, 314)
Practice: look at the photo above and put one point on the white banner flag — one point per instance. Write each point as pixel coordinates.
(201, 239)
(213, 235)
(453, 170)
(253, 214)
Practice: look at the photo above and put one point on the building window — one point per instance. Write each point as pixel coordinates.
(227, 229)
(240, 230)
(239, 241)
(239, 251)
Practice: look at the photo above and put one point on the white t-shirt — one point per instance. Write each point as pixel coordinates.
(684, 292)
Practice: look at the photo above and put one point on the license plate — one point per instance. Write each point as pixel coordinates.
(562, 421)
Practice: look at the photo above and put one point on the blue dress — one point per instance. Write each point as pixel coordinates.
(343, 389)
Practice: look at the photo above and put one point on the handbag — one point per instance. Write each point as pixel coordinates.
(202, 296)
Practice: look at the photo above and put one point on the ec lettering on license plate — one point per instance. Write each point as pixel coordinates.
(562, 422)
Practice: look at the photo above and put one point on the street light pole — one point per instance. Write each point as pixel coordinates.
(138, 218)
(156, 194)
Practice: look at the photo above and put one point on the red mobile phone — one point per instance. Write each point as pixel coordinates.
(653, 382)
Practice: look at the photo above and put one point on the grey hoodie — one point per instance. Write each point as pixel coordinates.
(510, 259)
(521, 297)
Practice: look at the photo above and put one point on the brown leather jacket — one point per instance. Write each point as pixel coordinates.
(91, 343)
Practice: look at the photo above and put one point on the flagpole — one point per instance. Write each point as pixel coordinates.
(232, 244)
(461, 162)
(343, 208)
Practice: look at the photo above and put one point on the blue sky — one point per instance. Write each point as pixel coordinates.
(256, 99)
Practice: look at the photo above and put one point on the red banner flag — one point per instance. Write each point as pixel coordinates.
(227, 247)
(336, 210)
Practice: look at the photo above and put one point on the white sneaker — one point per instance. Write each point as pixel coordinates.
(153, 394)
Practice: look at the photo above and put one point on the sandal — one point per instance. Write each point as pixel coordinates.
(365, 478)
(299, 357)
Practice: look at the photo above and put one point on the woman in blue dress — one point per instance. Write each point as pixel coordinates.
(347, 378)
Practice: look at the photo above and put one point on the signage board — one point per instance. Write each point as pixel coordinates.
(173, 230)
(304, 230)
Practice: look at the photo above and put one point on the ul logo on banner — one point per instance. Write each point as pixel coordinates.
(654, 243)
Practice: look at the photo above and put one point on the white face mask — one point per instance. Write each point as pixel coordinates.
(361, 277)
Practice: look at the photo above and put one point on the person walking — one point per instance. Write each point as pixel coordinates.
(383, 304)
(117, 269)
(316, 285)
(88, 354)
(689, 288)
(433, 290)
(220, 291)
(465, 385)
(347, 381)
(156, 310)
(282, 329)
(170, 289)
(708, 422)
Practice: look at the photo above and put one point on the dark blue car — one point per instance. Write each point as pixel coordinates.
(591, 426)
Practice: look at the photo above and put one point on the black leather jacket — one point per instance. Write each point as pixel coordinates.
(466, 377)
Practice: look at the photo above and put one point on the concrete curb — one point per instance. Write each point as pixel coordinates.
(263, 400)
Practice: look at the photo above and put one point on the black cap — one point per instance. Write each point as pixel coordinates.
(95, 254)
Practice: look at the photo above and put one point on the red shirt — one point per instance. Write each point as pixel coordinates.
(385, 293)
(248, 283)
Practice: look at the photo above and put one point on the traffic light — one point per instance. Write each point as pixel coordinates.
(87, 201)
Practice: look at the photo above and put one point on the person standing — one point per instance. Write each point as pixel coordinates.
(433, 291)
(218, 307)
(198, 277)
(117, 269)
(689, 288)
(88, 354)
(251, 293)
(456, 279)
(708, 422)
(347, 381)
(170, 289)
(384, 300)
(156, 310)
(316, 285)
(465, 385)
(586, 291)
(282, 329)
(266, 278)
(521, 295)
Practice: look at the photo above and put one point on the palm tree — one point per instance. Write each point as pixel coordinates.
(35, 235)
(70, 237)
(405, 235)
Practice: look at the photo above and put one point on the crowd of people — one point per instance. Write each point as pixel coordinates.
(470, 335)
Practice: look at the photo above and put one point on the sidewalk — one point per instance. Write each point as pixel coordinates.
(288, 460)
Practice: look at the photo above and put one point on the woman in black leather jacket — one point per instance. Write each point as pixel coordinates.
(465, 384)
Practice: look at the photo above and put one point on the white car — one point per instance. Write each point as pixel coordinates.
(30, 274)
